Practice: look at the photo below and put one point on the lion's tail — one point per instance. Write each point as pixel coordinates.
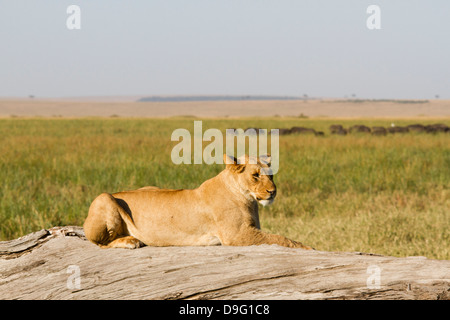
(132, 229)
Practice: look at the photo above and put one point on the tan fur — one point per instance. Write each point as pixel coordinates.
(221, 211)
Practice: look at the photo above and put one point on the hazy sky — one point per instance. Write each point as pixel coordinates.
(263, 47)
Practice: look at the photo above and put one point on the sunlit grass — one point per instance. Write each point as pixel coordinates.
(389, 195)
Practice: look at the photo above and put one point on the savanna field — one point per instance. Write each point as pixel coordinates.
(388, 195)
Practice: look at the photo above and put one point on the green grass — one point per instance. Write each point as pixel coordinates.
(388, 195)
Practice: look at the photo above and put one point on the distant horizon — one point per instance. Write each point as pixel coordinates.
(216, 97)
(322, 48)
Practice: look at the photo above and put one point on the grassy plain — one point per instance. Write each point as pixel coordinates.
(387, 195)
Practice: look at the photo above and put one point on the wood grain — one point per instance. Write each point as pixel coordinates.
(41, 266)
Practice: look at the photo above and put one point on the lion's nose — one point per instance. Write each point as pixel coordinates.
(272, 192)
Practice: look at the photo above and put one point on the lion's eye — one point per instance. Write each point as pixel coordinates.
(256, 175)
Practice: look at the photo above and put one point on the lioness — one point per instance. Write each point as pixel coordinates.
(221, 211)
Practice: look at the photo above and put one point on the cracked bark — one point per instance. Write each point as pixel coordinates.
(38, 266)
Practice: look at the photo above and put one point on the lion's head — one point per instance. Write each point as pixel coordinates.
(254, 177)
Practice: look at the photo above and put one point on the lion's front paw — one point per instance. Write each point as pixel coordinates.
(302, 246)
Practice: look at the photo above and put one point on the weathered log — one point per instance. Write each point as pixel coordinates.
(60, 263)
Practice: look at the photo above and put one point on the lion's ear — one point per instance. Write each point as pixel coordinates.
(229, 159)
(232, 164)
(265, 159)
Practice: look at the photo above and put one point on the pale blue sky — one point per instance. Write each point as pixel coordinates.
(258, 47)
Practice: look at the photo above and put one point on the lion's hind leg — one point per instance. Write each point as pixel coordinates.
(105, 227)
(128, 242)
